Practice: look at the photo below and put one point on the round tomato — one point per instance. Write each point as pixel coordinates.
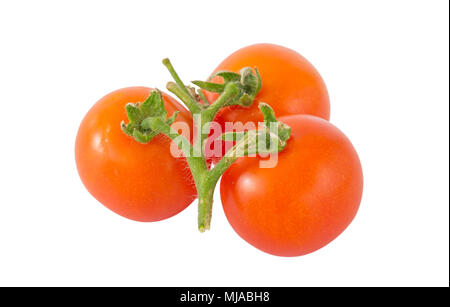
(290, 85)
(305, 201)
(142, 182)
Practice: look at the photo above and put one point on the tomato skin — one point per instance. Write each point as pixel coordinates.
(290, 84)
(304, 202)
(142, 182)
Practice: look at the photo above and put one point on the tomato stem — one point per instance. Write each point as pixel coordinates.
(149, 119)
(205, 202)
(178, 88)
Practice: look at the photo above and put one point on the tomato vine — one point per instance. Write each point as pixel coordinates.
(149, 118)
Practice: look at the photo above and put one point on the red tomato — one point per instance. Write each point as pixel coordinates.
(290, 85)
(305, 201)
(142, 182)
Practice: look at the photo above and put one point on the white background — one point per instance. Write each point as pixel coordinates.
(386, 67)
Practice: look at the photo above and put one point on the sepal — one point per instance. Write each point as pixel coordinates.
(140, 116)
(271, 137)
(248, 82)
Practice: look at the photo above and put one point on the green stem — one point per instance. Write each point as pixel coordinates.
(192, 105)
(148, 119)
(231, 91)
(205, 202)
(187, 97)
(229, 158)
(196, 164)
(209, 183)
(204, 183)
(205, 195)
(205, 180)
(209, 178)
(207, 115)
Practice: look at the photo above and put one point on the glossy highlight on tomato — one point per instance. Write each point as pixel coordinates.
(142, 182)
(305, 201)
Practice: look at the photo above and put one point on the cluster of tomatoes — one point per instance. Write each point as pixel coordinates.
(294, 208)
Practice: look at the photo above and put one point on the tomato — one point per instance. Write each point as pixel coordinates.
(305, 201)
(290, 85)
(142, 182)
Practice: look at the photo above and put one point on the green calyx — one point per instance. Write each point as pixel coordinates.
(149, 118)
(247, 82)
(140, 116)
(271, 137)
